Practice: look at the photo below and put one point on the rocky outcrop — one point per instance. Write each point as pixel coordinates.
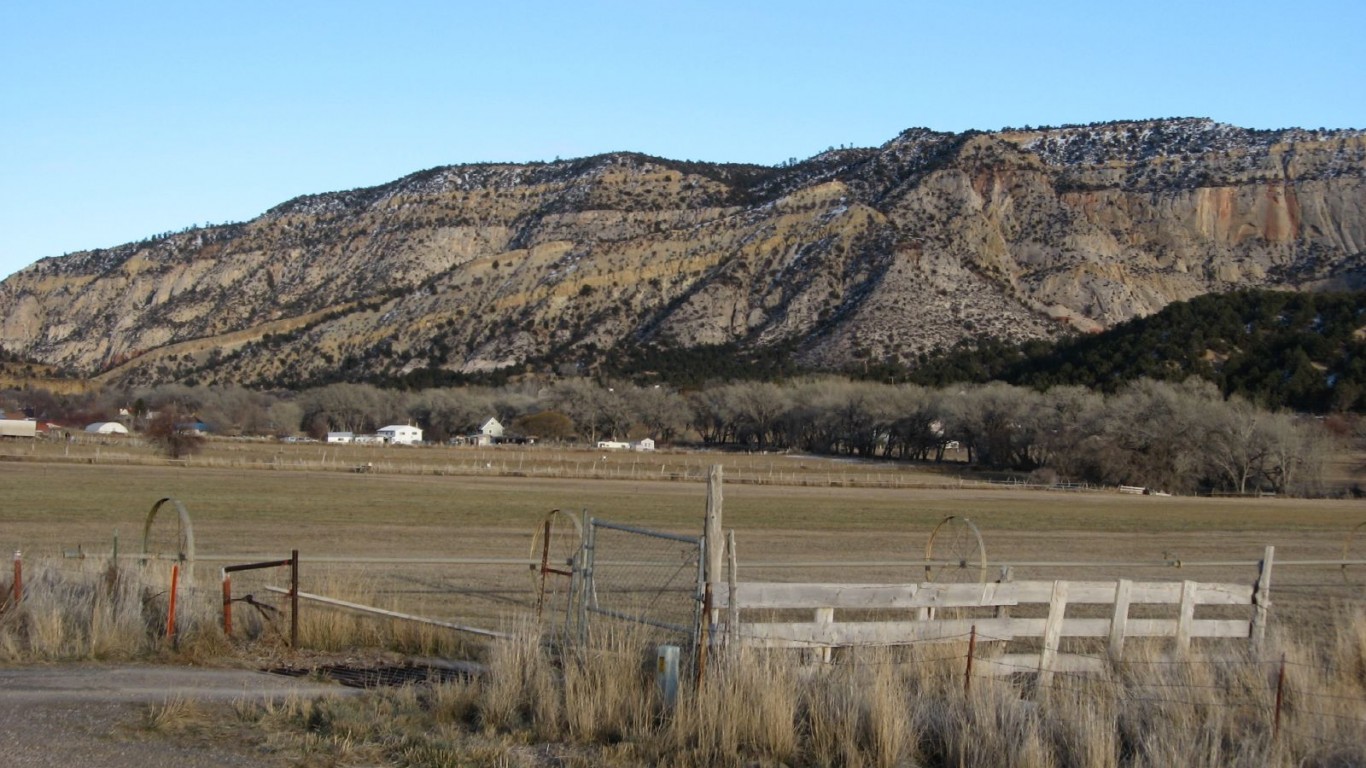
(854, 256)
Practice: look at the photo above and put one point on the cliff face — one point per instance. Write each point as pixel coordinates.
(853, 255)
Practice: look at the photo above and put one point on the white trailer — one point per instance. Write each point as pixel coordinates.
(18, 428)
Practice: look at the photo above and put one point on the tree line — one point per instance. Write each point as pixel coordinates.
(1172, 436)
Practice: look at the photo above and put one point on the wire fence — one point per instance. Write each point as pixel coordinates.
(648, 578)
(651, 578)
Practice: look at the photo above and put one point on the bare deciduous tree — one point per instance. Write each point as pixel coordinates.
(173, 432)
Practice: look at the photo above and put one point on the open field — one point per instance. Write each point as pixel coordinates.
(255, 501)
(865, 522)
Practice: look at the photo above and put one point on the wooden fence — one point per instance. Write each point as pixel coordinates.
(943, 613)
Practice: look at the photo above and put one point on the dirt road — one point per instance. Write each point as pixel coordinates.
(96, 716)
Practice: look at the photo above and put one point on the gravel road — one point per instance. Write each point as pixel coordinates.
(88, 715)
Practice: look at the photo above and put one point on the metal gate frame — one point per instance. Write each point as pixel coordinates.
(587, 586)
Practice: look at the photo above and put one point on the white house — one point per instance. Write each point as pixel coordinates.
(614, 445)
(644, 444)
(400, 434)
(341, 437)
(489, 432)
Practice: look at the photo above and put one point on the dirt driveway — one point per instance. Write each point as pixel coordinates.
(94, 715)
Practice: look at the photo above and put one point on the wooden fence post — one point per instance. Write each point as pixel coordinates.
(712, 529)
(1280, 698)
(1052, 633)
(1261, 598)
(712, 538)
(825, 616)
(1007, 576)
(1119, 620)
(705, 639)
(1187, 616)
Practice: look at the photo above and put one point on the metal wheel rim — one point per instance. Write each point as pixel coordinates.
(558, 550)
(957, 540)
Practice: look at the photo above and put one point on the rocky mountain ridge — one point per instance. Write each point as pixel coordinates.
(854, 255)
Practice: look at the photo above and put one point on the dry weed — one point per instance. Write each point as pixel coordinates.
(172, 715)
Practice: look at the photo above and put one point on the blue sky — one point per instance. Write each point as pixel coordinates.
(123, 120)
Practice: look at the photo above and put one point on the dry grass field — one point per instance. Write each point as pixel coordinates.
(541, 704)
(252, 501)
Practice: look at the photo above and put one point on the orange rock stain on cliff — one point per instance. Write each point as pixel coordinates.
(1280, 213)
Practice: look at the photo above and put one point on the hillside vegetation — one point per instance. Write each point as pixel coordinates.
(1306, 352)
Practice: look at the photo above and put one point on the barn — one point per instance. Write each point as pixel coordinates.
(400, 434)
(106, 428)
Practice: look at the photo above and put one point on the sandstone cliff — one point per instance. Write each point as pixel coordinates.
(853, 255)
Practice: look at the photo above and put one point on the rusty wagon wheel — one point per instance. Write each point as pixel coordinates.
(170, 542)
(955, 553)
(554, 552)
(1354, 548)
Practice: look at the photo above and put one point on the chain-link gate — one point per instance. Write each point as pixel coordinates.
(648, 578)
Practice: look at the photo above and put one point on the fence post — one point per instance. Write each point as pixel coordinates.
(1007, 576)
(545, 568)
(972, 649)
(18, 576)
(712, 529)
(1187, 616)
(1119, 620)
(294, 598)
(712, 558)
(586, 587)
(666, 673)
(1261, 598)
(170, 613)
(705, 639)
(733, 613)
(1052, 633)
(1280, 697)
(825, 616)
(227, 604)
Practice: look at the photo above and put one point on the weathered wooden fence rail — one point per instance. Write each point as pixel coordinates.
(932, 615)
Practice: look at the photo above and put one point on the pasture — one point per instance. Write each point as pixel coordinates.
(448, 534)
(253, 501)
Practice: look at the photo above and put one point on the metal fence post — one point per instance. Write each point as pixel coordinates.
(666, 673)
(294, 598)
(701, 611)
(586, 584)
(170, 613)
(227, 604)
(732, 579)
(972, 650)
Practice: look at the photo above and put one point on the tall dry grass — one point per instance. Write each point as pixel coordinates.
(87, 609)
(599, 705)
(540, 703)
